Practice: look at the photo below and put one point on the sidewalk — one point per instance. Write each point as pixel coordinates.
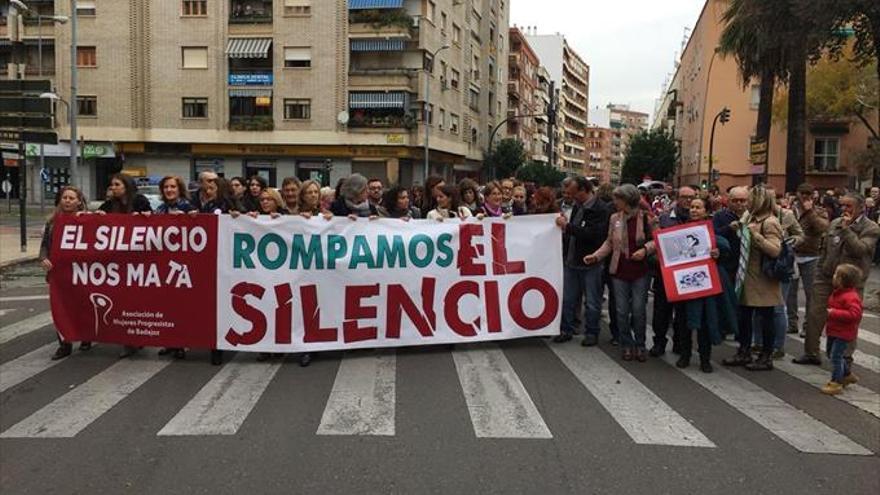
(10, 246)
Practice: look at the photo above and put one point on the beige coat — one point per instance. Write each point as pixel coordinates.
(758, 289)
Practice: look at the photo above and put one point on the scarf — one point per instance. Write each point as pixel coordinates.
(493, 212)
(745, 241)
(360, 210)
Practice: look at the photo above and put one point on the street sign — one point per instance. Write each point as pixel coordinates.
(44, 175)
(6, 187)
(29, 136)
(758, 153)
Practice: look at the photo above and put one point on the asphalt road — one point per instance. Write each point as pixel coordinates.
(520, 417)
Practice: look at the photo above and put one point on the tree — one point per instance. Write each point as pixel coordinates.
(651, 153)
(505, 158)
(542, 175)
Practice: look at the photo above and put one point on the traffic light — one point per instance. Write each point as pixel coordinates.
(715, 176)
(725, 115)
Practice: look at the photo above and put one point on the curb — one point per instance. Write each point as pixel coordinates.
(18, 261)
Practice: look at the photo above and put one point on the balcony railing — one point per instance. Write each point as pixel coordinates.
(380, 18)
(250, 12)
(382, 122)
(251, 123)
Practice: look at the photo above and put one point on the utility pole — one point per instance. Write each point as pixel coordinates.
(74, 105)
(16, 72)
(551, 116)
(724, 117)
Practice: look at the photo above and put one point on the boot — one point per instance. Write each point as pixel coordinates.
(832, 388)
(850, 379)
(63, 351)
(741, 358)
(763, 363)
(85, 346)
(705, 364)
(216, 357)
(683, 361)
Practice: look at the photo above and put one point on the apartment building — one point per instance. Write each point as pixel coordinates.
(706, 82)
(624, 124)
(545, 95)
(522, 85)
(599, 151)
(307, 88)
(571, 76)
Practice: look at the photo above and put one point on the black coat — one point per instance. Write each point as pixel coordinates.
(588, 229)
(140, 205)
(340, 209)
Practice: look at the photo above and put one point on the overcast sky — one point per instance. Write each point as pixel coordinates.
(630, 45)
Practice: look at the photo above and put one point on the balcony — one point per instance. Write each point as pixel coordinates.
(369, 120)
(250, 12)
(251, 123)
(380, 21)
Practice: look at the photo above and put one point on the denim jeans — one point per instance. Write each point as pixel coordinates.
(808, 273)
(780, 322)
(839, 365)
(586, 281)
(632, 313)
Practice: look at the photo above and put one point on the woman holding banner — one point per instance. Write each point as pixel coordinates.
(69, 201)
(492, 202)
(310, 199)
(397, 204)
(256, 185)
(448, 206)
(352, 201)
(708, 316)
(125, 199)
(175, 201)
(629, 244)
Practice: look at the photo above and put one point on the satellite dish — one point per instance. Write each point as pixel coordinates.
(342, 118)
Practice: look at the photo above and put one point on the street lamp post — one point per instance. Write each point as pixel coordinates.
(71, 108)
(724, 117)
(427, 109)
(73, 139)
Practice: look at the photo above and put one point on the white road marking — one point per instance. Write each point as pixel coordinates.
(362, 401)
(77, 409)
(791, 425)
(31, 364)
(640, 412)
(497, 401)
(24, 298)
(25, 326)
(860, 358)
(869, 337)
(223, 404)
(857, 395)
(4, 312)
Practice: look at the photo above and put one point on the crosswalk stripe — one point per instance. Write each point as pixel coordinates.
(860, 358)
(24, 298)
(362, 401)
(77, 409)
(25, 326)
(869, 337)
(223, 404)
(497, 401)
(640, 412)
(857, 395)
(21, 368)
(791, 425)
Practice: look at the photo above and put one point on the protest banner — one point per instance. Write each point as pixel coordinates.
(687, 267)
(299, 285)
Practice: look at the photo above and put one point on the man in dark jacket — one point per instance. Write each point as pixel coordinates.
(664, 311)
(586, 232)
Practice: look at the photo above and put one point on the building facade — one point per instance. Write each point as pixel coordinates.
(571, 76)
(279, 88)
(704, 83)
(599, 152)
(624, 124)
(522, 94)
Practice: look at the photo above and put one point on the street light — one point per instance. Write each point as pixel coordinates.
(428, 106)
(73, 140)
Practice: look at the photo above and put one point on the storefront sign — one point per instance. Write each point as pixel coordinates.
(254, 79)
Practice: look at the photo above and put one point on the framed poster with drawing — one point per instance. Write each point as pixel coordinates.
(686, 264)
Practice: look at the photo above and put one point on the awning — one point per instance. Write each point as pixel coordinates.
(250, 93)
(248, 47)
(374, 4)
(363, 100)
(391, 45)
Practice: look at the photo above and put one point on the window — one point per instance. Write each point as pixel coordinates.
(297, 109)
(194, 57)
(297, 7)
(453, 123)
(756, 97)
(443, 22)
(442, 123)
(432, 11)
(475, 67)
(456, 33)
(454, 80)
(195, 108)
(491, 106)
(86, 56)
(85, 8)
(429, 114)
(428, 63)
(297, 57)
(87, 106)
(194, 8)
(474, 101)
(444, 72)
(825, 154)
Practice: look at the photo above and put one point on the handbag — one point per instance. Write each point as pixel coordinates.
(780, 268)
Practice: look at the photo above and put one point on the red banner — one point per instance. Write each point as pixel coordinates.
(147, 281)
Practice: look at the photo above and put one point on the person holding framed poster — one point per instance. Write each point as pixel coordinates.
(760, 238)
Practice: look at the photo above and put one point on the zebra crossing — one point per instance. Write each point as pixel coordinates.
(363, 398)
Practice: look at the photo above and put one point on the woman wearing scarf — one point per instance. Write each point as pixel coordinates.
(492, 204)
(708, 316)
(629, 244)
(352, 201)
(69, 201)
(447, 206)
(760, 237)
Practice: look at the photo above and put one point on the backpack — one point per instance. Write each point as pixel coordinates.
(780, 268)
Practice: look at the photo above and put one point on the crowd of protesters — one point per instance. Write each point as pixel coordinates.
(828, 240)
